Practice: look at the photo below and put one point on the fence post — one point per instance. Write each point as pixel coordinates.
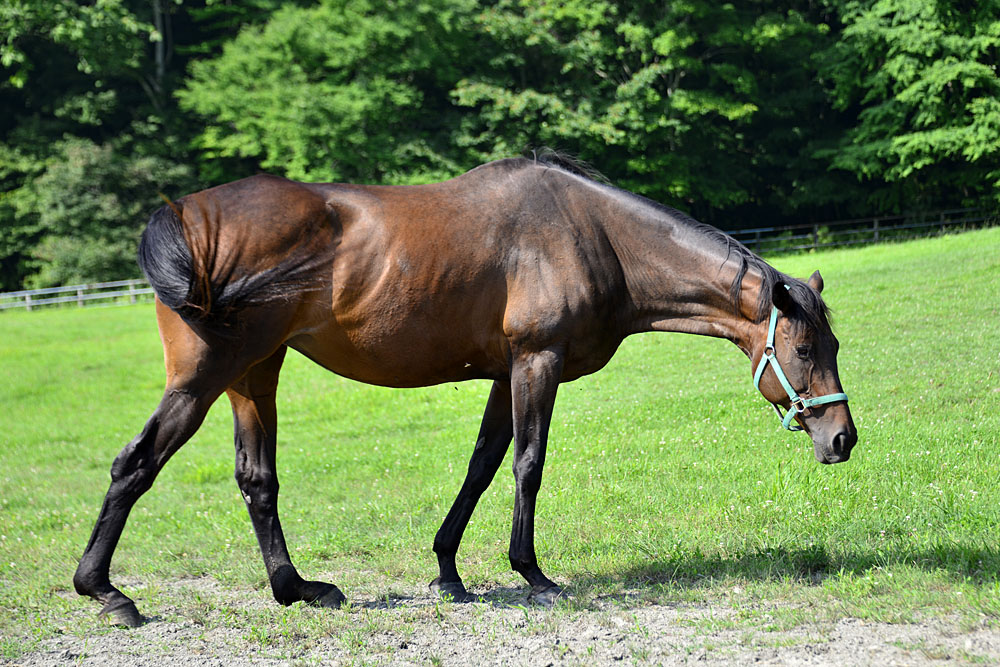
(875, 229)
(131, 293)
(815, 237)
(79, 297)
(27, 301)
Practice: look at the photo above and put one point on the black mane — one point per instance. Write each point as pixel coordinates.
(566, 162)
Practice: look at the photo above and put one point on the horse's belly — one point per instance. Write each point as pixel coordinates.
(394, 358)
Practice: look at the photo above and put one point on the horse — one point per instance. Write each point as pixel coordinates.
(527, 271)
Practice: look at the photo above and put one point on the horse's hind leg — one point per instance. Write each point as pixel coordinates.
(197, 374)
(494, 438)
(255, 421)
(175, 420)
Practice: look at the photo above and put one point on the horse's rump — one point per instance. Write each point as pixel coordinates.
(212, 254)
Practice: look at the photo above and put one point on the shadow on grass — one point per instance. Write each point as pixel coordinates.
(809, 565)
(498, 596)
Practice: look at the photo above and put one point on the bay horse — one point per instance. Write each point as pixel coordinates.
(526, 272)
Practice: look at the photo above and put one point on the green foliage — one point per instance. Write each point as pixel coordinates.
(923, 78)
(697, 104)
(90, 84)
(101, 35)
(341, 91)
(90, 203)
(744, 113)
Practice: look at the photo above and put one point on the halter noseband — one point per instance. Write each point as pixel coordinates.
(799, 404)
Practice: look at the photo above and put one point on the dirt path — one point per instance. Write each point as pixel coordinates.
(210, 627)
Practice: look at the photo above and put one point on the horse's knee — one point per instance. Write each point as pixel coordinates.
(134, 470)
(259, 488)
(528, 474)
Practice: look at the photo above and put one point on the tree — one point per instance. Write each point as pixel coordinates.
(90, 203)
(701, 105)
(347, 90)
(80, 79)
(921, 77)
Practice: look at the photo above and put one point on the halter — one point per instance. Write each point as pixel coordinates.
(799, 404)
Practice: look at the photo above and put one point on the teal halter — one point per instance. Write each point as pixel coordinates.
(799, 404)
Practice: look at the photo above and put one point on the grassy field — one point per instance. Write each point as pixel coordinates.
(667, 473)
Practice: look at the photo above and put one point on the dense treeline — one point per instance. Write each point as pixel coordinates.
(741, 113)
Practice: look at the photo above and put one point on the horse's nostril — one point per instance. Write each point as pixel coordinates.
(843, 442)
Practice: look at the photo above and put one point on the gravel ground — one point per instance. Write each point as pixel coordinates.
(413, 629)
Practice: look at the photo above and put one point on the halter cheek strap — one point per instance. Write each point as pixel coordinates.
(799, 404)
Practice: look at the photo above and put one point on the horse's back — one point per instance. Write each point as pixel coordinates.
(450, 275)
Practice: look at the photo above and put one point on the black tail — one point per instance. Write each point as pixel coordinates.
(167, 262)
(198, 287)
(207, 289)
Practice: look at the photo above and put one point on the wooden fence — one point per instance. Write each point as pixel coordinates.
(117, 292)
(762, 240)
(793, 238)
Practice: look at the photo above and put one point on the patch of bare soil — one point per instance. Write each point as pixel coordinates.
(416, 629)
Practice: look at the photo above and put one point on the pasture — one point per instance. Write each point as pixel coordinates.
(668, 479)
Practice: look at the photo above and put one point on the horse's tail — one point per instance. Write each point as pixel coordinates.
(208, 285)
(167, 261)
(187, 276)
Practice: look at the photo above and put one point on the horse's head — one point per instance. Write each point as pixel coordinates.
(796, 368)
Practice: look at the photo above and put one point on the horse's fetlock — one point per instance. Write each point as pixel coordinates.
(87, 582)
(521, 565)
(442, 549)
(285, 585)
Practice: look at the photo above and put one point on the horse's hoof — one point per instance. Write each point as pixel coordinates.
(546, 597)
(453, 591)
(121, 613)
(331, 599)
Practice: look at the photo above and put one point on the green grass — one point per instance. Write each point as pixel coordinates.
(667, 473)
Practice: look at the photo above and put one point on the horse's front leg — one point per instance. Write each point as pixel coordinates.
(534, 380)
(255, 424)
(494, 438)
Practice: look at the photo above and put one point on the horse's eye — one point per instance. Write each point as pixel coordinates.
(803, 351)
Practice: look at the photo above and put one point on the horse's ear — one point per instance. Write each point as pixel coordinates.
(816, 281)
(781, 299)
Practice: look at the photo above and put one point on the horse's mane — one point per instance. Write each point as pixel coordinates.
(553, 158)
(810, 305)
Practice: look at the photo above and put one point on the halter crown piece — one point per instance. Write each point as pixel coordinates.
(799, 404)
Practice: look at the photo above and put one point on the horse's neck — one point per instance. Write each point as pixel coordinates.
(681, 282)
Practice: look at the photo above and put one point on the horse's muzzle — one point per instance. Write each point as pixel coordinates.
(837, 449)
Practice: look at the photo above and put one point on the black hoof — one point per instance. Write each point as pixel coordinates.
(453, 591)
(321, 594)
(546, 597)
(332, 599)
(288, 588)
(121, 613)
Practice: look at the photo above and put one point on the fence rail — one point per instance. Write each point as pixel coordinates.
(116, 292)
(762, 240)
(813, 236)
